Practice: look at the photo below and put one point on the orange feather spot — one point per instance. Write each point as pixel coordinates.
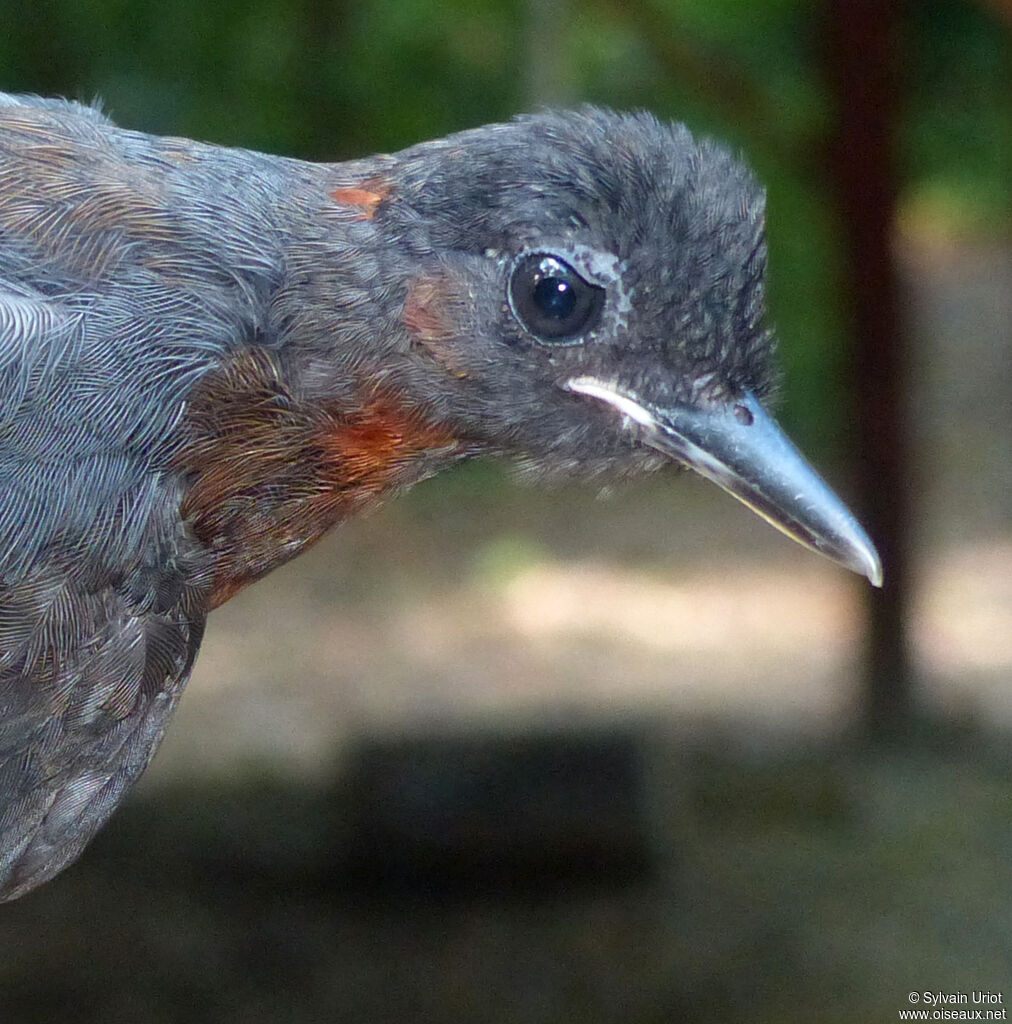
(367, 196)
(432, 314)
(426, 310)
(271, 474)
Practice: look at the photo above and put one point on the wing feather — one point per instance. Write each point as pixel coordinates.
(82, 714)
(101, 608)
(115, 299)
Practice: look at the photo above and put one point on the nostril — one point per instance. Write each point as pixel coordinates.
(743, 414)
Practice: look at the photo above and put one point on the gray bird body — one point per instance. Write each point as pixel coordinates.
(209, 356)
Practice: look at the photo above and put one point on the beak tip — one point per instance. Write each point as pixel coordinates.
(873, 570)
(859, 554)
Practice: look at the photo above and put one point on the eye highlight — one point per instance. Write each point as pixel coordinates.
(552, 301)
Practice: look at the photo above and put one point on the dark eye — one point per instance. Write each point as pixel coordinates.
(551, 300)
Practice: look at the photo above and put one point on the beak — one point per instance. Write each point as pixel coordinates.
(741, 449)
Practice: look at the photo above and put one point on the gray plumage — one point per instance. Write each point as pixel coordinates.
(209, 356)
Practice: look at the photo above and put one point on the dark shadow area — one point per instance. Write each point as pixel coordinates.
(521, 813)
(463, 878)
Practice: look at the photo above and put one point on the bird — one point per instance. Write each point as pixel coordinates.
(210, 356)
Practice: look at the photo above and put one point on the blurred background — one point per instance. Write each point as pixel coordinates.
(499, 754)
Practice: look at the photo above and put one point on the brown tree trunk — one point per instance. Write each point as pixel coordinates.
(862, 58)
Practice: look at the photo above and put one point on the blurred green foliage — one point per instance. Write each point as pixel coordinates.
(336, 78)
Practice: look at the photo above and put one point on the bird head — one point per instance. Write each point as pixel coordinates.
(584, 291)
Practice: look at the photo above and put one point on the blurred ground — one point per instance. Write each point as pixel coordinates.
(796, 878)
